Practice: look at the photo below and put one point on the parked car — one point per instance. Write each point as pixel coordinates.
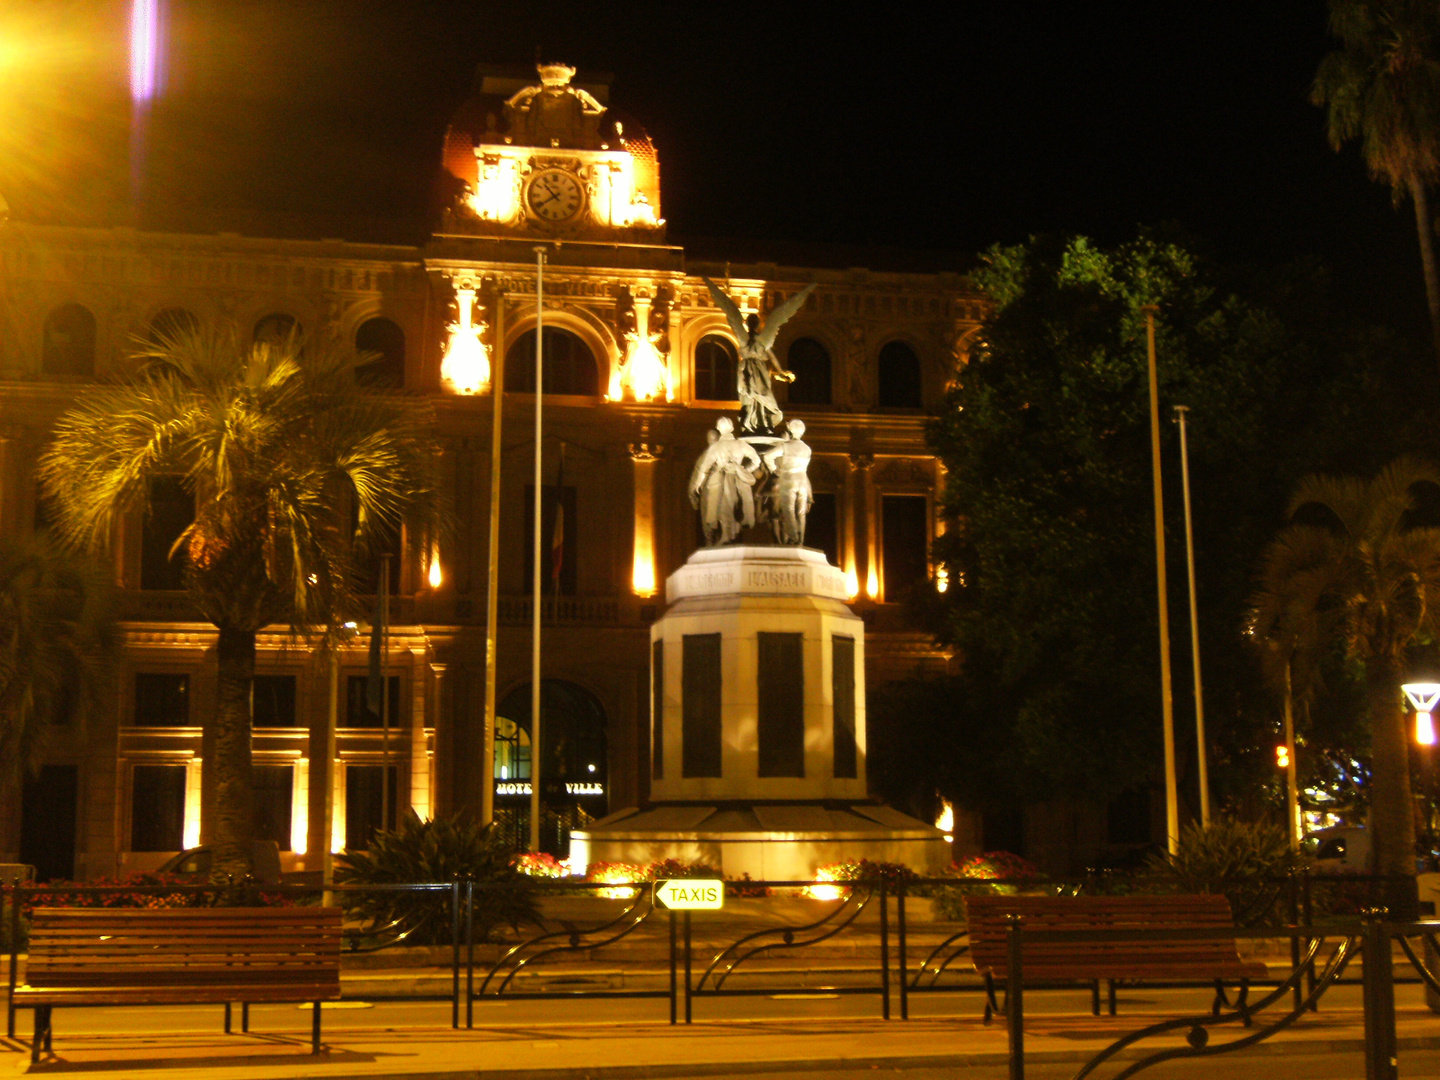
(1341, 849)
(194, 863)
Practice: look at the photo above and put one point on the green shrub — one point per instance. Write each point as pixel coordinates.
(995, 873)
(436, 851)
(1246, 861)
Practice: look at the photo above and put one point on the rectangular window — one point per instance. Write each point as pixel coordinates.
(657, 710)
(162, 700)
(272, 701)
(568, 546)
(364, 801)
(842, 685)
(822, 528)
(170, 513)
(157, 808)
(271, 789)
(368, 560)
(781, 713)
(358, 711)
(904, 543)
(700, 705)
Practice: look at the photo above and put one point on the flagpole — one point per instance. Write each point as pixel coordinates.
(492, 581)
(384, 606)
(535, 593)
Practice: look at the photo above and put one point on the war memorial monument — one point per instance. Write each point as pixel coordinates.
(757, 670)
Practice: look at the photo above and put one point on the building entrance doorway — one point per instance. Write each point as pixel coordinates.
(48, 804)
(574, 772)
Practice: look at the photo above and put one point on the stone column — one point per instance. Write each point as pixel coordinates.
(643, 455)
(860, 524)
(421, 798)
(12, 440)
(321, 752)
(442, 795)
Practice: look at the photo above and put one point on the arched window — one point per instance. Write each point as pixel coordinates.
(387, 371)
(68, 346)
(715, 362)
(276, 329)
(900, 377)
(170, 324)
(569, 364)
(810, 361)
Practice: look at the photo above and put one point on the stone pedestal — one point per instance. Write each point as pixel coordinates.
(758, 728)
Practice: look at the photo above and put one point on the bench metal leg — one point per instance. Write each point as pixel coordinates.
(991, 1005)
(1095, 996)
(42, 1033)
(315, 1028)
(1112, 997)
(245, 1017)
(227, 1018)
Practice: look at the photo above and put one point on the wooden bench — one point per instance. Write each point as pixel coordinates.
(1110, 955)
(180, 956)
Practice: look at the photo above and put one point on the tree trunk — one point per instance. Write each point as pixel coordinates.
(232, 755)
(1420, 198)
(1392, 806)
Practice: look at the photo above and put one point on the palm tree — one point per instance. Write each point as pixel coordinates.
(58, 643)
(1383, 85)
(1352, 570)
(278, 447)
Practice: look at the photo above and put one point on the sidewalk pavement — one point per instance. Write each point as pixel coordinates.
(610, 1051)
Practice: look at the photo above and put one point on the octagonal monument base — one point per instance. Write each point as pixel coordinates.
(758, 728)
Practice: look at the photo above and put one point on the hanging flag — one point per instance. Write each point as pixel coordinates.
(557, 536)
(375, 682)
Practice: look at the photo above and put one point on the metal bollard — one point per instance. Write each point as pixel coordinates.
(1378, 990)
(1015, 999)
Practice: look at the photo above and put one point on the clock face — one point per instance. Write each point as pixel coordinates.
(554, 195)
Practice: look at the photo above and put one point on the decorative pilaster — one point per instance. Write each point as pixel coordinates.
(859, 526)
(643, 455)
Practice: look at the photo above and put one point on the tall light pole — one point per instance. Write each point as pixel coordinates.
(1292, 767)
(1180, 411)
(1167, 697)
(535, 754)
(492, 580)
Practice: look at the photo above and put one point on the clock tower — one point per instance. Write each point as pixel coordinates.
(548, 159)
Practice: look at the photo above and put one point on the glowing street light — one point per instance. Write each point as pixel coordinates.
(466, 366)
(1423, 698)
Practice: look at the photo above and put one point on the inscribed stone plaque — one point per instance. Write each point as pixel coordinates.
(700, 706)
(781, 715)
(842, 684)
(657, 709)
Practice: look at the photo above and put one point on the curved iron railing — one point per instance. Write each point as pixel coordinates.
(1198, 1037)
(534, 950)
(737, 953)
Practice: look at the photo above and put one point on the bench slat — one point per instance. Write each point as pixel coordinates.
(1106, 958)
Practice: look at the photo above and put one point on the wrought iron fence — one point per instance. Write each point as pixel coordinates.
(1322, 947)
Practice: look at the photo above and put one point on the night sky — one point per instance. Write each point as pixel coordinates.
(858, 125)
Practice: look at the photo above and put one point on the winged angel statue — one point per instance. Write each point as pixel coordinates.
(759, 414)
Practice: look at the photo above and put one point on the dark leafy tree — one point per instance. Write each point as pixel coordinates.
(1382, 86)
(58, 645)
(1354, 569)
(278, 448)
(1052, 606)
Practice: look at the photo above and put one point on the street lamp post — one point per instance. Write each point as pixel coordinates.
(1424, 696)
(1204, 777)
(1167, 698)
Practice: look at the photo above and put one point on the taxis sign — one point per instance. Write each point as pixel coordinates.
(691, 894)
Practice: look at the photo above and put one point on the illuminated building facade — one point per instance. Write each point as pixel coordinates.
(638, 364)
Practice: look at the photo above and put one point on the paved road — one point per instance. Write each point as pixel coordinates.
(560, 1009)
(1421, 1065)
(814, 1037)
